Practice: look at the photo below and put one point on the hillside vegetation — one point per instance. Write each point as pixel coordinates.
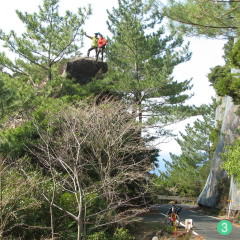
(74, 164)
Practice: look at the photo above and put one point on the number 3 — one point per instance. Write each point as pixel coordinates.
(224, 227)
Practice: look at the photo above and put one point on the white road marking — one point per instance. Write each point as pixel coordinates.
(206, 215)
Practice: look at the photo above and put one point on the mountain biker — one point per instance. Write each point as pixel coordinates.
(174, 209)
(173, 215)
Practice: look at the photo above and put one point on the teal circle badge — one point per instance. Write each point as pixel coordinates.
(224, 227)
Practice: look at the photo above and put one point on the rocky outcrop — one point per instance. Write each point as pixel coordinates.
(229, 115)
(226, 113)
(83, 70)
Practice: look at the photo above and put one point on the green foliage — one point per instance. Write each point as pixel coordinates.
(214, 136)
(19, 200)
(186, 173)
(45, 108)
(27, 97)
(209, 18)
(226, 79)
(68, 201)
(98, 236)
(119, 234)
(222, 80)
(95, 154)
(7, 97)
(235, 55)
(16, 96)
(167, 229)
(122, 234)
(48, 38)
(142, 58)
(56, 135)
(214, 19)
(228, 46)
(14, 140)
(95, 203)
(232, 160)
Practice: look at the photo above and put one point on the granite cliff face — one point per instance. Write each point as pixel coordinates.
(226, 114)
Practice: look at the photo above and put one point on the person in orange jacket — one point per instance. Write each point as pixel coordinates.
(102, 42)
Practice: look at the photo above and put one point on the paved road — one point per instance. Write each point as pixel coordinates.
(203, 225)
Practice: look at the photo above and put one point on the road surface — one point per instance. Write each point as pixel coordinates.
(204, 225)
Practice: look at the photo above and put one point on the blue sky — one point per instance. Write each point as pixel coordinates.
(206, 53)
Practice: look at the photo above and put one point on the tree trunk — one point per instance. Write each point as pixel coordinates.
(140, 117)
(49, 72)
(80, 235)
(138, 102)
(79, 232)
(52, 224)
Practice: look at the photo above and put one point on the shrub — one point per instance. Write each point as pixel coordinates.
(122, 234)
(98, 236)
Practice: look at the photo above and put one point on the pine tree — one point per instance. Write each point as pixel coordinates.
(7, 97)
(33, 77)
(142, 57)
(211, 18)
(48, 38)
(187, 172)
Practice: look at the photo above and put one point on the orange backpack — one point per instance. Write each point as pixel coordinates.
(102, 42)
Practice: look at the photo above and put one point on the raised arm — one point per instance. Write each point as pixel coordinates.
(88, 36)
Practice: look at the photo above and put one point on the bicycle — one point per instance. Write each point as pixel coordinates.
(173, 219)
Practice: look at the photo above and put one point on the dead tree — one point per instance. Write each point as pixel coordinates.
(94, 152)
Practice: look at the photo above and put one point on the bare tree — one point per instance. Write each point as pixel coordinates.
(95, 154)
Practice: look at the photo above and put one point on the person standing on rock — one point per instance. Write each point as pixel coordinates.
(102, 42)
(94, 45)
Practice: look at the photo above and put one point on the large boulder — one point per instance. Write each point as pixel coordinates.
(83, 70)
